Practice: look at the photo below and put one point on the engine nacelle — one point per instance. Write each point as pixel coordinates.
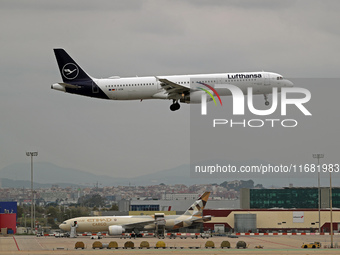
(194, 97)
(116, 230)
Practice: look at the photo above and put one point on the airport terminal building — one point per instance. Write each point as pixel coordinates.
(179, 205)
(278, 210)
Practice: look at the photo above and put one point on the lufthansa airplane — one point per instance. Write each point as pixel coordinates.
(116, 225)
(178, 88)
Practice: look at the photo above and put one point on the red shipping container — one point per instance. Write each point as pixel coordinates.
(8, 221)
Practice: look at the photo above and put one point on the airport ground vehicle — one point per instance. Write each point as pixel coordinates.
(232, 236)
(241, 244)
(79, 245)
(311, 245)
(206, 234)
(58, 234)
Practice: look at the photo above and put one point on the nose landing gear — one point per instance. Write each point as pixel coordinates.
(175, 105)
(266, 99)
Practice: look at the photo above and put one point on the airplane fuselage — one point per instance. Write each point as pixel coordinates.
(116, 225)
(102, 223)
(138, 88)
(178, 88)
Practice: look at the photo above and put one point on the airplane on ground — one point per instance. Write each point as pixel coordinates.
(116, 225)
(178, 88)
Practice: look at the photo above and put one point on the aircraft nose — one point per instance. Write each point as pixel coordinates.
(288, 83)
(62, 226)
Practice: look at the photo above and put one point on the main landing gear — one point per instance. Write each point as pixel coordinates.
(175, 105)
(266, 99)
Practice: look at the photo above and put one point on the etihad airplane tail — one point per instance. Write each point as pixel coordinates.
(196, 209)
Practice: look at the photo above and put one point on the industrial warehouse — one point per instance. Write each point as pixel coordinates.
(279, 210)
(271, 220)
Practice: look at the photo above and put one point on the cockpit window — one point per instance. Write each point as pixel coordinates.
(279, 78)
(64, 222)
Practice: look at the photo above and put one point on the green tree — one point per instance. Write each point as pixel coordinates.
(50, 221)
(114, 207)
(92, 200)
(52, 211)
(20, 211)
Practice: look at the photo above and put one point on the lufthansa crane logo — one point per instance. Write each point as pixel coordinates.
(70, 71)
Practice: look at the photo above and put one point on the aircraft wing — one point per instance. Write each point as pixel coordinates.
(138, 225)
(203, 219)
(173, 89)
(190, 221)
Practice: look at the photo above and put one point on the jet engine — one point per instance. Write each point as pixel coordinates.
(194, 97)
(116, 230)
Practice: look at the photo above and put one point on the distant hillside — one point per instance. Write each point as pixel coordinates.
(49, 173)
(19, 175)
(8, 183)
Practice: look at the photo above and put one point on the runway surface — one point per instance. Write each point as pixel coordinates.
(272, 245)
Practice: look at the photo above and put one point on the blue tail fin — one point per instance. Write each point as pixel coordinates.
(73, 74)
(70, 71)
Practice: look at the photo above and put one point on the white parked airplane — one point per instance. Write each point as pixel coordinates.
(116, 225)
(178, 88)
